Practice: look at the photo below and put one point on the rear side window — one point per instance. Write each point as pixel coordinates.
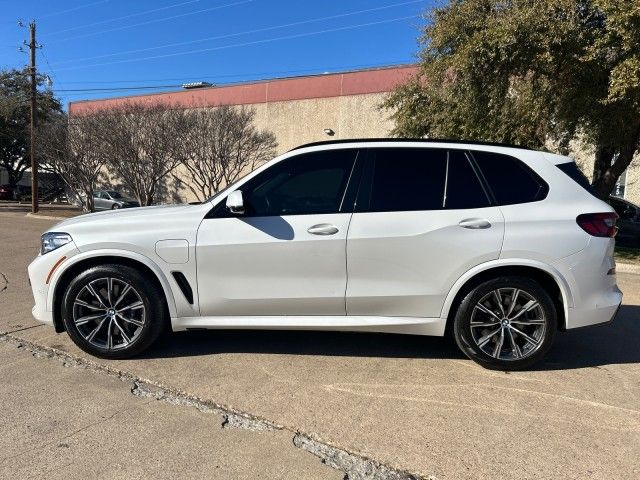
(406, 179)
(572, 170)
(510, 180)
(410, 179)
(464, 189)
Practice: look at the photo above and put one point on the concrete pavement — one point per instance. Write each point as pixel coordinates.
(72, 423)
(412, 403)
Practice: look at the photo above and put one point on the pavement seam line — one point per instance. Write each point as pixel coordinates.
(5, 280)
(354, 465)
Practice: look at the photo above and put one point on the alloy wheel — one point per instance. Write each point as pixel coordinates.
(508, 324)
(109, 313)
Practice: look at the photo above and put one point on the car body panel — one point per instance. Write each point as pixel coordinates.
(404, 263)
(272, 266)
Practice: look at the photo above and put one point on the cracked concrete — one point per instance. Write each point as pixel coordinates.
(4, 282)
(78, 423)
(353, 466)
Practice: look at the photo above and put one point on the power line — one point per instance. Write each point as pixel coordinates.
(69, 10)
(318, 71)
(263, 74)
(244, 44)
(123, 27)
(124, 17)
(107, 89)
(247, 32)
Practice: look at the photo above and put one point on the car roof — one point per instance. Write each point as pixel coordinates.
(471, 143)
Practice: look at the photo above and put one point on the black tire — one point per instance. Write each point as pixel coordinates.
(115, 206)
(543, 331)
(146, 295)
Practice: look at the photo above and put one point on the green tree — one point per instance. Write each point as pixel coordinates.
(15, 118)
(531, 72)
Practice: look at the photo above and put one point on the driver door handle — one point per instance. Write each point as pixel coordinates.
(323, 229)
(475, 223)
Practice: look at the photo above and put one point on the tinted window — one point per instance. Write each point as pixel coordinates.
(510, 180)
(406, 179)
(464, 189)
(572, 170)
(305, 184)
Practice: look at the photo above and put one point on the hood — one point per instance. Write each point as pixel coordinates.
(126, 215)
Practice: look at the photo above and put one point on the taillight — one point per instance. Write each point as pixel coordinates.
(599, 224)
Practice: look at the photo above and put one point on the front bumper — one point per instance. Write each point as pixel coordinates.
(41, 279)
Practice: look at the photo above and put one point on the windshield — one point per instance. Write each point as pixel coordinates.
(115, 194)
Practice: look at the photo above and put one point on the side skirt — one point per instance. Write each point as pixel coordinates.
(406, 325)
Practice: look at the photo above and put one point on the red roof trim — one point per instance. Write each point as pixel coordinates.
(278, 90)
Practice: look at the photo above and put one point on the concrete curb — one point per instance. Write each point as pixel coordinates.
(628, 267)
(45, 217)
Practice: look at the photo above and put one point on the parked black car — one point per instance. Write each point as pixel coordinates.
(628, 223)
(6, 192)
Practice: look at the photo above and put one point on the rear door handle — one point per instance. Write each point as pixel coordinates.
(323, 229)
(475, 223)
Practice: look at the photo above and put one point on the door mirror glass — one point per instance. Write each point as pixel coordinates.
(235, 204)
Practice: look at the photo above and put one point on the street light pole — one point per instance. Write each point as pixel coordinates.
(32, 149)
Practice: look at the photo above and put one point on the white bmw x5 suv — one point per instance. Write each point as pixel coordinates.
(501, 246)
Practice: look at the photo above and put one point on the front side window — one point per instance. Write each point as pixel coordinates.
(311, 183)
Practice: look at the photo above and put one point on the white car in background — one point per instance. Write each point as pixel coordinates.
(500, 245)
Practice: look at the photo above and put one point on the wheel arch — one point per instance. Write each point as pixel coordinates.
(548, 277)
(83, 261)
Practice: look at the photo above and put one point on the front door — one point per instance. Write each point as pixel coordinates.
(422, 219)
(286, 255)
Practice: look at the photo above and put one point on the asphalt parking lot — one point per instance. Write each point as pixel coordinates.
(413, 404)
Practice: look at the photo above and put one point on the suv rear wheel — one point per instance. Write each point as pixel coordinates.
(507, 323)
(113, 311)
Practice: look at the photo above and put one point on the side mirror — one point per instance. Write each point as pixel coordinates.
(235, 204)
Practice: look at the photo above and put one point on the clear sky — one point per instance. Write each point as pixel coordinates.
(109, 44)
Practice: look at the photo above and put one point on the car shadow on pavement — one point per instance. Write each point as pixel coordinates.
(615, 343)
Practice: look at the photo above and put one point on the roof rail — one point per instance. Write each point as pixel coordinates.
(420, 140)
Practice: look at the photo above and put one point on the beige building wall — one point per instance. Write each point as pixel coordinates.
(296, 122)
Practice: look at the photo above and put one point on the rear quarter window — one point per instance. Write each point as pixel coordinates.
(573, 172)
(510, 180)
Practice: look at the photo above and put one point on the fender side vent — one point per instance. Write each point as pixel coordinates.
(183, 283)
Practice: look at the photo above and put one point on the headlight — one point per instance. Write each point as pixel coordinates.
(53, 240)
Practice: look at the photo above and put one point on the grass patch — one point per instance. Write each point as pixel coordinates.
(627, 255)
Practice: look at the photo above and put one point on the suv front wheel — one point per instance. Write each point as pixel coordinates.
(507, 323)
(113, 311)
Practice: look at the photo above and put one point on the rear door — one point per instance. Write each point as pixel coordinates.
(422, 219)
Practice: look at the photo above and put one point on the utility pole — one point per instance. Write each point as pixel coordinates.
(32, 149)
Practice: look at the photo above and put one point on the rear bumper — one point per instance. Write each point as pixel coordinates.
(603, 312)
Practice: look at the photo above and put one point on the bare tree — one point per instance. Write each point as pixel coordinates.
(73, 148)
(145, 143)
(223, 144)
